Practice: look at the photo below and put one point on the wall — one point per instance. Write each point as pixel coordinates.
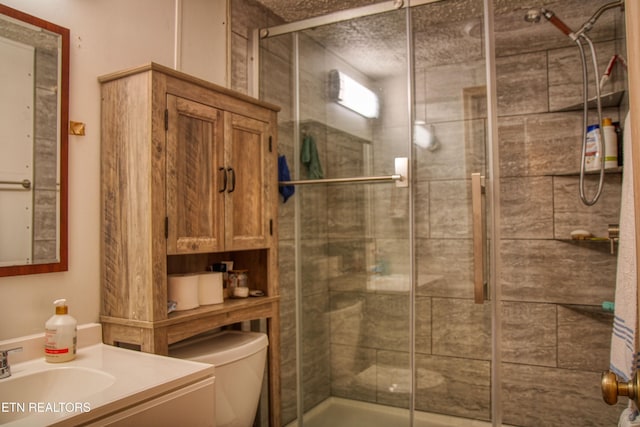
(106, 36)
(555, 336)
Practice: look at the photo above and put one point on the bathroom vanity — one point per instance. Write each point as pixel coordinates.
(104, 386)
(189, 179)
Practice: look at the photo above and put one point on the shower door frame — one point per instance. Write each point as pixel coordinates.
(491, 181)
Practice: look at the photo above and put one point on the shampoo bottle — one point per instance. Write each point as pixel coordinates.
(60, 335)
(593, 149)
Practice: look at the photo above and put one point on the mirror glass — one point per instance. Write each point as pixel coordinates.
(34, 100)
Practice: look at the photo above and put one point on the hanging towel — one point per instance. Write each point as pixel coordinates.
(283, 175)
(624, 337)
(309, 157)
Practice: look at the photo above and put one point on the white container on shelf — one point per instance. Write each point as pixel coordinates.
(594, 148)
(610, 144)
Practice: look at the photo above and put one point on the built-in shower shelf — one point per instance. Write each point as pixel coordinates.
(611, 171)
(588, 240)
(612, 243)
(608, 100)
(588, 309)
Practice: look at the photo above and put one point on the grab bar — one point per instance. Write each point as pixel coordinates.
(477, 188)
(400, 177)
(25, 183)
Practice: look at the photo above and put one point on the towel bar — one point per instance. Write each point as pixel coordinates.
(359, 179)
(25, 183)
(400, 177)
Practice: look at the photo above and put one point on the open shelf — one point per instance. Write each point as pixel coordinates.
(611, 171)
(608, 100)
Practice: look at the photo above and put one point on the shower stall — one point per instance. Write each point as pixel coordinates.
(459, 299)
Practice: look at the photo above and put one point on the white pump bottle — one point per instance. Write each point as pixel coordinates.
(60, 335)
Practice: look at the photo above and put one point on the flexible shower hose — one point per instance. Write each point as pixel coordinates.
(585, 95)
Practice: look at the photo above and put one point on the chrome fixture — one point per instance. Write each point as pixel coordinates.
(400, 177)
(5, 369)
(614, 236)
(534, 15)
(25, 183)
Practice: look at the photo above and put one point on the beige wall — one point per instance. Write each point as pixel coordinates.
(106, 35)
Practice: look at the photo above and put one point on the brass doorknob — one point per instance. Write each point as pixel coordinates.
(612, 388)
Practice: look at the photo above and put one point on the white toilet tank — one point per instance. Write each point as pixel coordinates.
(239, 359)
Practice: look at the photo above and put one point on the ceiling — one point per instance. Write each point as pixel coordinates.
(445, 32)
(296, 10)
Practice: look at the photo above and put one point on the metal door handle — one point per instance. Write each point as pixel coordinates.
(233, 180)
(477, 188)
(612, 388)
(224, 179)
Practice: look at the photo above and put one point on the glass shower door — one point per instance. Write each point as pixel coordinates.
(453, 342)
(354, 238)
(378, 316)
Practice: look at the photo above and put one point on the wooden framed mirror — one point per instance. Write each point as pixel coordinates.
(34, 117)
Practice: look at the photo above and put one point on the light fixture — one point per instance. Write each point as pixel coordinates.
(349, 93)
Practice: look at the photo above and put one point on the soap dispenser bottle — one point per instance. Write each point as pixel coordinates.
(60, 335)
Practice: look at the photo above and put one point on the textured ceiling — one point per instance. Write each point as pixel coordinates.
(296, 10)
(444, 31)
(375, 45)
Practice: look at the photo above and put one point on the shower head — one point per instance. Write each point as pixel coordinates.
(534, 16)
(557, 22)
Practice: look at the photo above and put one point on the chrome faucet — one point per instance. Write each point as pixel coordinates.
(5, 369)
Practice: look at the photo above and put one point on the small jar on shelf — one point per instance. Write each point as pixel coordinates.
(238, 284)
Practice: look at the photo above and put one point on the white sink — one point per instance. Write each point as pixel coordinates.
(29, 392)
(102, 380)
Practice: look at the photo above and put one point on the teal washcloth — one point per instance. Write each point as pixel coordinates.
(309, 157)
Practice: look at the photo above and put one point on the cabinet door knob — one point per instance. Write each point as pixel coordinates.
(224, 180)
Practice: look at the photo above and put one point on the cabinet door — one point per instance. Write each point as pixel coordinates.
(247, 222)
(192, 405)
(195, 177)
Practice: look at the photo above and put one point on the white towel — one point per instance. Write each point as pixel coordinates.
(624, 338)
(628, 418)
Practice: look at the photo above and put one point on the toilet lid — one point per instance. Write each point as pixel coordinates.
(221, 348)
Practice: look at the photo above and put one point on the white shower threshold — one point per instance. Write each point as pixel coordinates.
(339, 412)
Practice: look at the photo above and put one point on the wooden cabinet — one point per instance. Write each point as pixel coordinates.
(189, 178)
(217, 174)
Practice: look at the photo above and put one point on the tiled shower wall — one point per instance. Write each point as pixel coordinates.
(555, 339)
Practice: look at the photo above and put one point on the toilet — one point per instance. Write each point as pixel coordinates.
(239, 359)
